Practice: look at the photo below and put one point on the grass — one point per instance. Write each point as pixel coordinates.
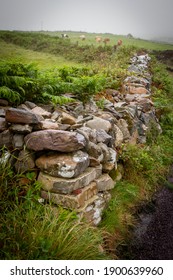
(13, 53)
(30, 230)
(90, 40)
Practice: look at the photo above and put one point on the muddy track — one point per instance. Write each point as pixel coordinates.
(165, 57)
(153, 236)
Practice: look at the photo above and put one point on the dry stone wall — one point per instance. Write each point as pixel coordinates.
(74, 148)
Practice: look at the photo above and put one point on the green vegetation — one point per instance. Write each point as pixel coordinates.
(30, 230)
(145, 167)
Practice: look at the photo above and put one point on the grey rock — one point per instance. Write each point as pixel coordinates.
(57, 140)
(67, 186)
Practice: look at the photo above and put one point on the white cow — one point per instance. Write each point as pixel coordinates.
(63, 35)
(82, 37)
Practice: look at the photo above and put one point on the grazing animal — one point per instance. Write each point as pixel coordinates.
(119, 43)
(98, 39)
(106, 40)
(82, 37)
(63, 35)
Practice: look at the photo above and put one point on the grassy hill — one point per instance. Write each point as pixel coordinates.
(90, 40)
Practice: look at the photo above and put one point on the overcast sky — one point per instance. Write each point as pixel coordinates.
(141, 18)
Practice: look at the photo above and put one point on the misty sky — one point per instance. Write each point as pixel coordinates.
(142, 18)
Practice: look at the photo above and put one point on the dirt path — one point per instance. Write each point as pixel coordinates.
(153, 237)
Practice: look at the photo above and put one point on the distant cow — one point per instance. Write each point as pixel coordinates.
(119, 43)
(106, 40)
(63, 35)
(82, 37)
(98, 39)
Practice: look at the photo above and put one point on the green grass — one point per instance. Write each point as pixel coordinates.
(90, 40)
(13, 53)
(30, 230)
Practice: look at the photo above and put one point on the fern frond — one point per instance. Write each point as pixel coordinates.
(61, 100)
(9, 94)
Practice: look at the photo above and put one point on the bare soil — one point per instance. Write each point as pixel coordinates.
(153, 236)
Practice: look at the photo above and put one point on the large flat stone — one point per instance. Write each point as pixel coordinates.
(104, 183)
(68, 165)
(14, 115)
(67, 186)
(56, 140)
(72, 201)
(99, 123)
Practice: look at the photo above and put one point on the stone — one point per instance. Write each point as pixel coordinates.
(57, 140)
(67, 119)
(64, 126)
(102, 136)
(55, 115)
(19, 128)
(3, 124)
(94, 151)
(123, 126)
(105, 151)
(73, 201)
(118, 136)
(48, 124)
(41, 112)
(91, 106)
(89, 134)
(93, 162)
(67, 186)
(30, 105)
(25, 162)
(3, 102)
(137, 90)
(137, 80)
(6, 139)
(18, 141)
(99, 123)
(104, 183)
(145, 104)
(134, 68)
(2, 113)
(64, 165)
(14, 115)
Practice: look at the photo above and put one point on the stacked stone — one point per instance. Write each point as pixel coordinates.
(70, 165)
(73, 148)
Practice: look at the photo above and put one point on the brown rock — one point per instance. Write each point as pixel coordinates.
(72, 201)
(14, 115)
(104, 183)
(25, 162)
(3, 102)
(48, 124)
(67, 119)
(64, 165)
(67, 186)
(41, 112)
(57, 140)
(137, 90)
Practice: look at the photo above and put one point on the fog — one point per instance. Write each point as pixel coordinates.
(142, 18)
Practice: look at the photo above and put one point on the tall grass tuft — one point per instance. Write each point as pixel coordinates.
(30, 230)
